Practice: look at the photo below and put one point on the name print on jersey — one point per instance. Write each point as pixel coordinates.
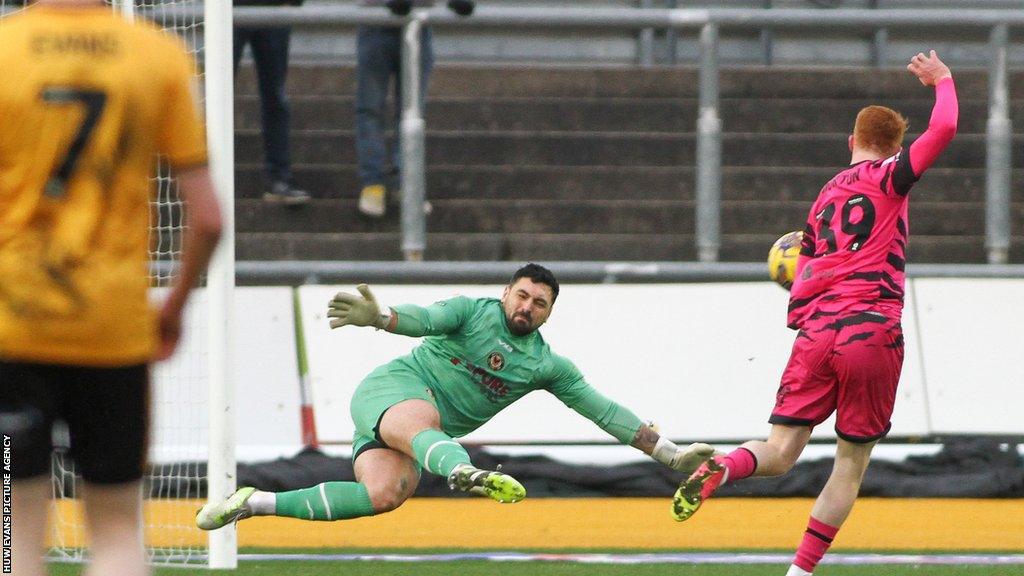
(492, 387)
(70, 42)
(846, 178)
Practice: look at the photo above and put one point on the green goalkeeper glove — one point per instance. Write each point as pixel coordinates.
(345, 309)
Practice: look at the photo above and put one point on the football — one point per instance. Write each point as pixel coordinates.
(782, 259)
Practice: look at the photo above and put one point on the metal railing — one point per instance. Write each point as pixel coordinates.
(709, 125)
(298, 272)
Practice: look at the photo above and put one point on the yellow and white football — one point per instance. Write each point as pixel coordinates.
(782, 259)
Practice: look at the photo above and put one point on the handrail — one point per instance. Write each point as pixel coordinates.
(617, 18)
(297, 272)
(441, 272)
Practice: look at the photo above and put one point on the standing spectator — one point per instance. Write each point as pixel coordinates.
(379, 53)
(269, 46)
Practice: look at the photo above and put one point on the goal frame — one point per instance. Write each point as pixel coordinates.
(218, 66)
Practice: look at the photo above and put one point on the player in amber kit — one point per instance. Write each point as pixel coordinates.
(87, 102)
(846, 302)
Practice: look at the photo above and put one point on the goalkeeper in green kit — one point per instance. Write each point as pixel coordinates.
(478, 356)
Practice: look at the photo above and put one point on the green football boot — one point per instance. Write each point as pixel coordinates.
(495, 485)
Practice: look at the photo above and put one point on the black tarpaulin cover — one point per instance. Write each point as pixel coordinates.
(978, 468)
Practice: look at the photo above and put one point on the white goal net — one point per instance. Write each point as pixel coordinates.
(183, 435)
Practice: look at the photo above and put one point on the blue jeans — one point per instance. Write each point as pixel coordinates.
(270, 54)
(379, 52)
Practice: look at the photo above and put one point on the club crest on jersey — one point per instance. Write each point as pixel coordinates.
(496, 361)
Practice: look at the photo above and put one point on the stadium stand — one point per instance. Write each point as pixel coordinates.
(541, 161)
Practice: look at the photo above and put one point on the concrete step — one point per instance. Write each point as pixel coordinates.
(467, 216)
(573, 114)
(327, 181)
(559, 247)
(608, 149)
(363, 246)
(598, 217)
(486, 81)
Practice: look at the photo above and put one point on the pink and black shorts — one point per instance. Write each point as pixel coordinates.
(848, 363)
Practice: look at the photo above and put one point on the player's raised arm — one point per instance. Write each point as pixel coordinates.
(931, 71)
(363, 309)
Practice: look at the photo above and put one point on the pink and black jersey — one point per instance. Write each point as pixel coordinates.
(851, 265)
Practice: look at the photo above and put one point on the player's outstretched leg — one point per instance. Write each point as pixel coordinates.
(325, 502)
(699, 487)
(712, 475)
(215, 515)
(494, 484)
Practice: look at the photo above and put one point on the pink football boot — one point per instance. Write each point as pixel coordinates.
(699, 487)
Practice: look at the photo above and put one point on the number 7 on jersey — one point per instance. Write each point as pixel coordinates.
(94, 102)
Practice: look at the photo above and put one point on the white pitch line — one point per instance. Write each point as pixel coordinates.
(658, 558)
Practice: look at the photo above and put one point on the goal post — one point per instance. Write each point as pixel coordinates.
(220, 130)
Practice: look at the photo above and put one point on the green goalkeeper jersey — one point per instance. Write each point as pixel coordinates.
(476, 367)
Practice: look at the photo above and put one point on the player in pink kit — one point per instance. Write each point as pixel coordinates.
(846, 303)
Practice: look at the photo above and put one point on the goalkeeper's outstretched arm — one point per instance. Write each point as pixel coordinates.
(621, 423)
(363, 309)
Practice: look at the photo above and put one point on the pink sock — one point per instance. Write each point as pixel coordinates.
(741, 463)
(817, 539)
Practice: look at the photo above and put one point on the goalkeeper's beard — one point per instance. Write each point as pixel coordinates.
(517, 328)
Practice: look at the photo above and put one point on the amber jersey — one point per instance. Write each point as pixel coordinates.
(86, 103)
(854, 246)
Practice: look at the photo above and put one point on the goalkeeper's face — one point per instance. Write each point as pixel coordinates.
(527, 305)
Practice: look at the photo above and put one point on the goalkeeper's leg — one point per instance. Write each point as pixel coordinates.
(392, 406)
(386, 470)
(384, 480)
(413, 427)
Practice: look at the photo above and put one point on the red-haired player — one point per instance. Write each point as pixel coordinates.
(846, 303)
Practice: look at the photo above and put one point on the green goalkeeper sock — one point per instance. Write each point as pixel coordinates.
(437, 453)
(327, 501)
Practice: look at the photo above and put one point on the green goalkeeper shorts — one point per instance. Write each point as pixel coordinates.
(386, 386)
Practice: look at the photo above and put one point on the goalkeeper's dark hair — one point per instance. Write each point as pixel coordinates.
(538, 274)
